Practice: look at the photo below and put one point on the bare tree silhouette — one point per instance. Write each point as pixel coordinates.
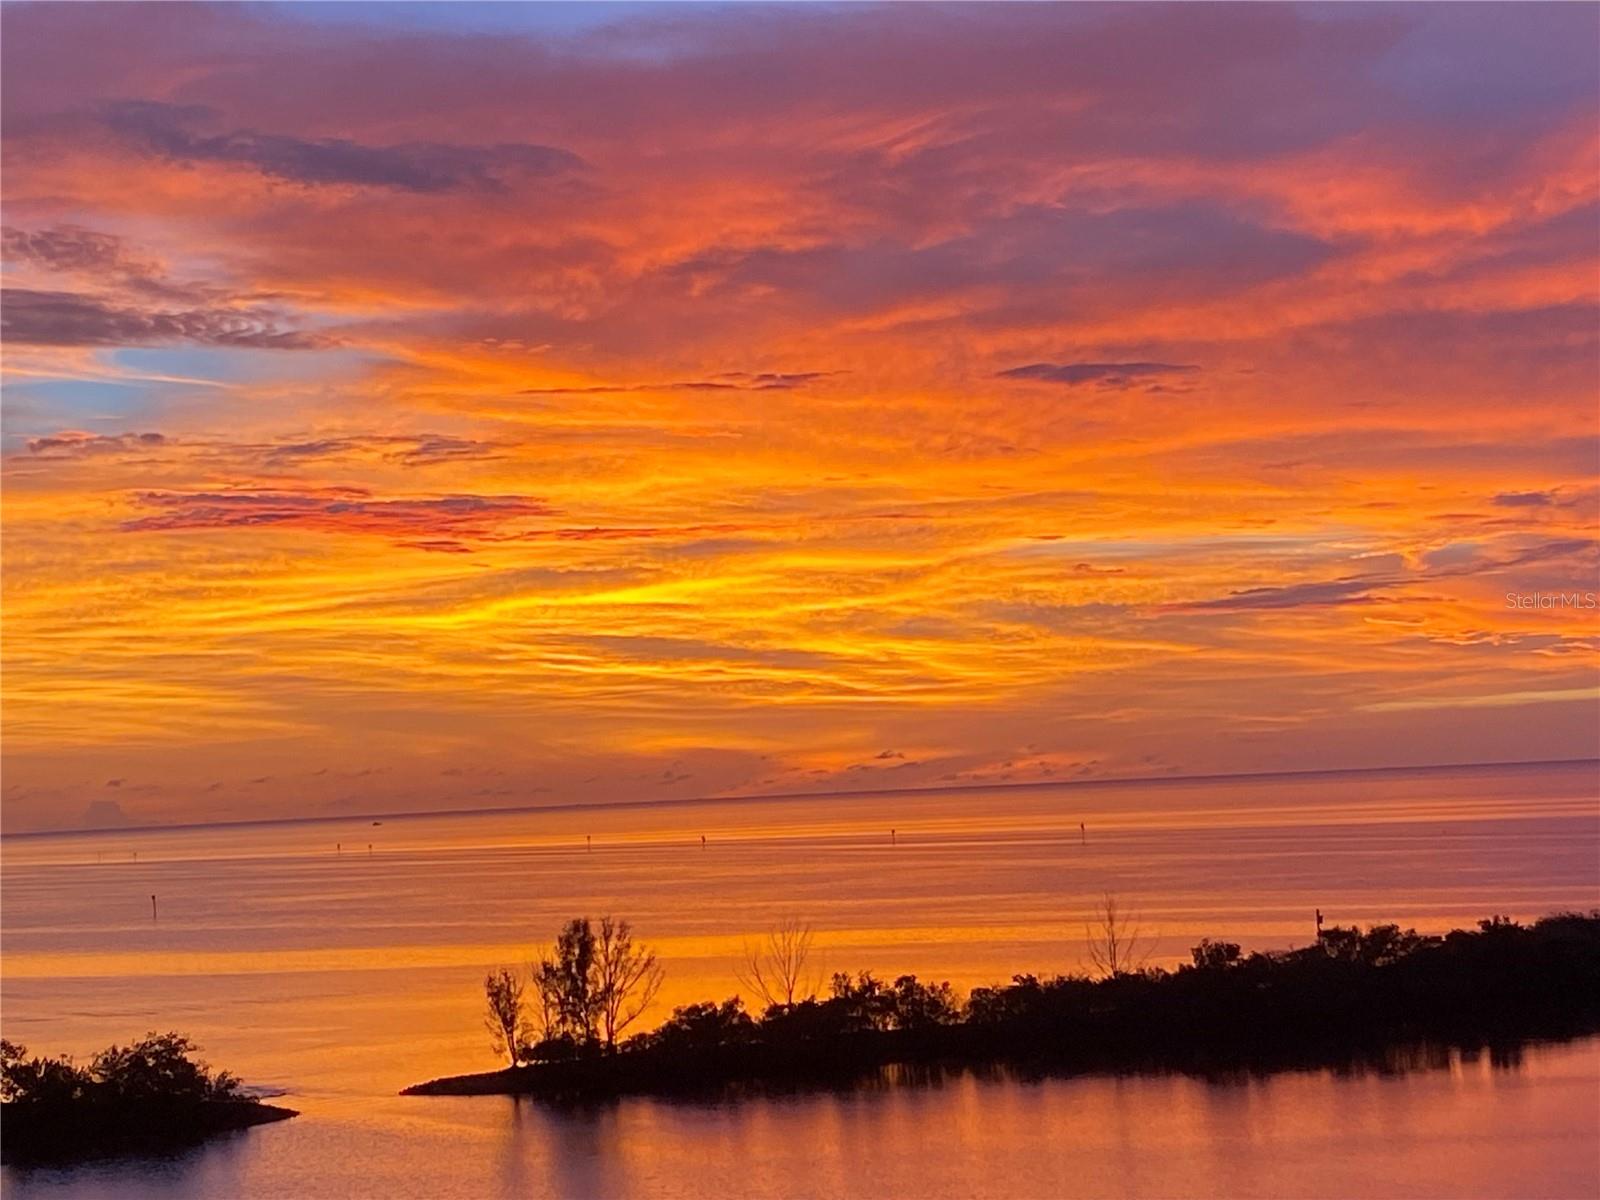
(1115, 938)
(626, 978)
(546, 1007)
(775, 968)
(504, 1016)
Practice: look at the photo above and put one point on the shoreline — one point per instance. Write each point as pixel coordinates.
(1383, 1057)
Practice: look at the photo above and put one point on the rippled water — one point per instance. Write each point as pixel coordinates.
(1471, 1129)
(310, 964)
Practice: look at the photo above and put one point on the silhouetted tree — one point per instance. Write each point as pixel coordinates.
(1215, 956)
(999, 1004)
(13, 1060)
(544, 1007)
(918, 1005)
(567, 987)
(1341, 942)
(626, 978)
(1384, 944)
(863, 1002)
(505, 1017)
(1379, 945)
(775, 968)
(592, 987)
(1115, 939)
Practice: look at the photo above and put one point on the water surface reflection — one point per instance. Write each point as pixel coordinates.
(1422, 1123)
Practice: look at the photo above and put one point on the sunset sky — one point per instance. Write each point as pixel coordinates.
(445, 406)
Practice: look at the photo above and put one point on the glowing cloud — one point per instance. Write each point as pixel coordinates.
(707, 402)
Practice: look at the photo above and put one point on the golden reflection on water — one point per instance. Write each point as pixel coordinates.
(340, 976)
(1437, 1125)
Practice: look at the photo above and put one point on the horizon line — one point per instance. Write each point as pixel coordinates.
(568, 806)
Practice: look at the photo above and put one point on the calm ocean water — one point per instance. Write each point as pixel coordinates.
(337, 974)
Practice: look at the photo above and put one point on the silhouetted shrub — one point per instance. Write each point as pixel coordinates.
(1380, 944)
(864, 1003)
(696, 1028)
(150, 1095)
(920, 1005)
(867, 1004)
(563, 1047)
(1215, 956)
(806, 1021)
(155, 1070)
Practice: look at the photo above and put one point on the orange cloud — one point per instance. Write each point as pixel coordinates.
(714, 405)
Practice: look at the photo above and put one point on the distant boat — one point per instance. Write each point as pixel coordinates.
(377, 822)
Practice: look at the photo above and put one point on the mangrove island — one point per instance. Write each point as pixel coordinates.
(1353, 993)
(150, 1097)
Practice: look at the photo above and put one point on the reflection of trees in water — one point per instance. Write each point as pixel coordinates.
(551, 1151)
(1383, 1061)
(615, 1147)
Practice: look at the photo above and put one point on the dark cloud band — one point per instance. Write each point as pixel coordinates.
(71, 319)
(165, 129)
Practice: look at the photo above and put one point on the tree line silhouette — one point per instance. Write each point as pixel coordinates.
(1353, 991)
